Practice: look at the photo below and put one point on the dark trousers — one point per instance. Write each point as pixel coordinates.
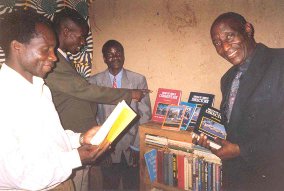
(116, 172)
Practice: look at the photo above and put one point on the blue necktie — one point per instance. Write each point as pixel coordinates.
(233, 94)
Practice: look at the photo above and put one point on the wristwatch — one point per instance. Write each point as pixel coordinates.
(81, 139)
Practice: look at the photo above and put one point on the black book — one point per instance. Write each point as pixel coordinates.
(202, 98)
(209, 122)
(199, 99)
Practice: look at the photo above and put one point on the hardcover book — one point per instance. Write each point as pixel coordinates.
(209, 122)
(173, 117)
(164, 98)
(160, 164)
(188, 114)
(117, 121)
(199, 99)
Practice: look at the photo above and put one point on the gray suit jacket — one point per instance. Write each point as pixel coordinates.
(130, 80)
(75, 99)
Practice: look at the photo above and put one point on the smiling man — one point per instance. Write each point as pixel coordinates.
(252, 106)
(123, 166)
(35, 151)
(75, 99)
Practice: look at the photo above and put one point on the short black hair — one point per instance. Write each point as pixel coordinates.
(68, 13)
(19, 25)
(111, 43)
(231, 15)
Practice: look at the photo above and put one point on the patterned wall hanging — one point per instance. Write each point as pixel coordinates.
(81, 60)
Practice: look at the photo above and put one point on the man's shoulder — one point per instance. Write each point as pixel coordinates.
(132, 74)
(97, 76)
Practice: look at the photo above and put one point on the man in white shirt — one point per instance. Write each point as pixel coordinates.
(35, 152)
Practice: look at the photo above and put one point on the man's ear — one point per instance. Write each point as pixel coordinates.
(65, 31)
(249, 30)
(104, 59)
(16, 46)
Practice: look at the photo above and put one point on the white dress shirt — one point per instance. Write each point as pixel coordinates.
(35, 152)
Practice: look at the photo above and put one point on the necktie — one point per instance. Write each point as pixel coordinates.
(114, 84)
(233, 93)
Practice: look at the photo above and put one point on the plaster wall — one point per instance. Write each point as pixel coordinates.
(169, 42)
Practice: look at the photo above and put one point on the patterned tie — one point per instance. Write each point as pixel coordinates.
(233, 93)
(114, 84)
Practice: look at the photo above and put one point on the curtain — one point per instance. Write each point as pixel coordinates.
(82, 60)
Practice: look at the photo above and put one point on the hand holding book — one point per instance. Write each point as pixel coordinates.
(117, 121)
(98, 139)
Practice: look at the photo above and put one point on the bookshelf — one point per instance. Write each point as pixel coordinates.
(205, 173)
(155, 129)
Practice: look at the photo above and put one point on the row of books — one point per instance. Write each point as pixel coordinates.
(186, 171)
(197, 114)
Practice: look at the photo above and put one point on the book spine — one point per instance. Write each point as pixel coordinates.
(175, 172)
(199, 174)
(205, 186)
(166, 168)
(160, 156)
(190, 172)
(171, 177)
(180, 159)
(209, 177)
(185, 173)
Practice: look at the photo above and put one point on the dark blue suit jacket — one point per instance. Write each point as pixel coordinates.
(257, 123)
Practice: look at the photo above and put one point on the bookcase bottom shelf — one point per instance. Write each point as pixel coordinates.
(198, 167)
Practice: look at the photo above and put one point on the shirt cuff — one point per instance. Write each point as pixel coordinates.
(74, 138)
(71, 159)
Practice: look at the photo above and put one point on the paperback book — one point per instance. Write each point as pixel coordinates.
(188, 114)
(174, 117)
(199, 99)
(209, 122)
(151, 162)
(117, 121)
(164, 98)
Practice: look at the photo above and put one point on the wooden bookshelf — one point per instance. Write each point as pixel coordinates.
(155, 129)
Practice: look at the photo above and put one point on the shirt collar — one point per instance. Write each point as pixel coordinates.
(63, 54)
(118, 76)
(243, 67)
(17, 78)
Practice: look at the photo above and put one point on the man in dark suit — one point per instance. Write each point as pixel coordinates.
(252, 107)
(74, 98)
(123, 166)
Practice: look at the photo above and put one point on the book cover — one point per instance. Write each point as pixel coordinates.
(199, 99)
(117, 121)
(173, 117)
(151, 162)
(164, 98)
(188, 114)
(209, 122)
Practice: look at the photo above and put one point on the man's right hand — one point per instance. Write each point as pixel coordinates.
(138, 94)
(89, 153)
